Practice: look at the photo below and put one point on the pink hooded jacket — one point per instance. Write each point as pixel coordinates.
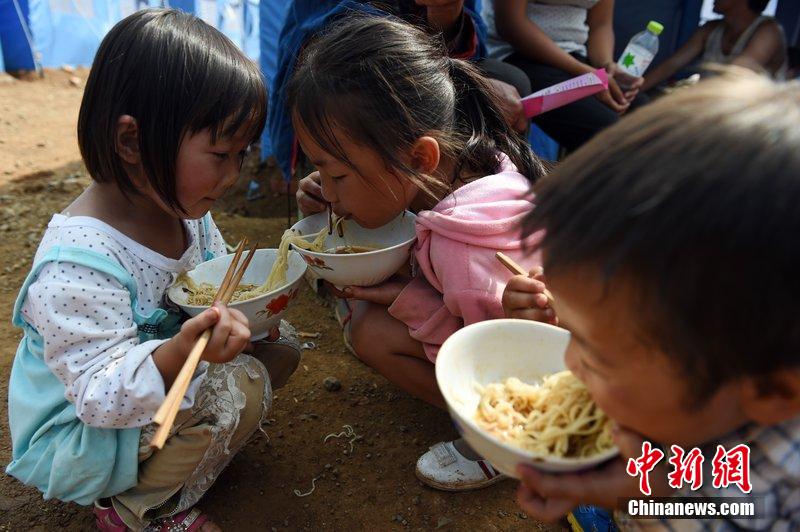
(458, 280)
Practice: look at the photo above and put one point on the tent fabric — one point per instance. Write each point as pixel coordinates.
(272, 16)
(52, 33)
(17, 53)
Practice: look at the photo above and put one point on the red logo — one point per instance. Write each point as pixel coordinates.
(732, 467)
(686, 467)
(728, 467)
(643, 465)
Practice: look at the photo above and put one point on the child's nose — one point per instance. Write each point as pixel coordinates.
(231, 176)
(329, 194)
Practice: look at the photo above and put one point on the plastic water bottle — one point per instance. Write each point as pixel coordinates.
(641, 50)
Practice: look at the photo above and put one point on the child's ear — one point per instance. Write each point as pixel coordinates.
(126, 139)
(772, 399)
(425, 155)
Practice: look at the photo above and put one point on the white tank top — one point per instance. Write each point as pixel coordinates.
(713, 51)
(564, 21)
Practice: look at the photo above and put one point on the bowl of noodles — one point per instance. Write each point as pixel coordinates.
(512, 399)
(353, 255)
(267, 288)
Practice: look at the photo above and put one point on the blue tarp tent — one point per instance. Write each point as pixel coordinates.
(52, 33)
(272, 14)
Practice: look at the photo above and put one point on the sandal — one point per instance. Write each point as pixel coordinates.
(186, 521)
(108, 520)
(444, 468)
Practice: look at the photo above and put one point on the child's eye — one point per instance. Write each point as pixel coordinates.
(338, 177)
(221, 156)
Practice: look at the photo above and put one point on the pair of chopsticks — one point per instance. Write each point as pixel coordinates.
(509, 263)
(165, 416)
(331, 224)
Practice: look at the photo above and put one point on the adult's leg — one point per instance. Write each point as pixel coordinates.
(505, 72)
(571, 125)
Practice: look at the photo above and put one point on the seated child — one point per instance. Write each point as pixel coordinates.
(99, 352)
(392, 123)
(671, 251)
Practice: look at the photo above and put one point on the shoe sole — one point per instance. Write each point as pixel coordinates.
(461, 487)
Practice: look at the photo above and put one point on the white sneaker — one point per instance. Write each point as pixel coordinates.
(444, 468)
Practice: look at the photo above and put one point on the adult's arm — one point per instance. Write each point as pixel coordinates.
(685, 55)
(761, 49)
(600, 46)
(528, 39)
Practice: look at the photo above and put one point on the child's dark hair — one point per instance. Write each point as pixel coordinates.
(386, 84)
(175, 75)
(694, 200)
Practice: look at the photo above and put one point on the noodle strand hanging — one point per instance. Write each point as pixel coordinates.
(203, 294)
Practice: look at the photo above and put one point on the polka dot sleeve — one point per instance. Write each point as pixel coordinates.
(91, 344)
(213, 240)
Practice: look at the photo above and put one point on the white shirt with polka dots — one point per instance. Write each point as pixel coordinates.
(85, 318)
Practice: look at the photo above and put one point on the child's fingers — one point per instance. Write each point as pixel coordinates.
(194, 327)
(522, 283)
(538, 270)
(513, 301)
(237, 340)
(222, 329)
(309, 195)
(237, 315)
(547, 510)
(545, 315)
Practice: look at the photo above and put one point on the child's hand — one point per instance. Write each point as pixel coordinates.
(524, 298)
(549, 497)
(230, 335)
(309, 195)
(382, 294)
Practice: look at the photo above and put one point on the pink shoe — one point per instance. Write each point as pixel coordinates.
(107, 519)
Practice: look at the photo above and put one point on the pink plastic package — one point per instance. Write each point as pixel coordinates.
(565, 93)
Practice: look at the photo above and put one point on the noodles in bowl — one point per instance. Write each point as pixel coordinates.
(357, 256)
(194, 291)
(555, 418)
(506, 388)
(202, 294)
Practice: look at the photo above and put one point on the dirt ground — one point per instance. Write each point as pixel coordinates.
(373, 487)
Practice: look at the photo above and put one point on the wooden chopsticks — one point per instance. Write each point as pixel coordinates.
(337, 223)
(509, 263)
(165, 416)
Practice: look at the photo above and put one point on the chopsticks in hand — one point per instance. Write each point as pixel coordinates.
(165, 416)
(515, 268)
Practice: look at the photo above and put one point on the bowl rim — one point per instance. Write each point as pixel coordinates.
(373, 252)
(525, 456)
(237, 303)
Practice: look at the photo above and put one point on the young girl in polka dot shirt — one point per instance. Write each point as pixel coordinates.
(169, 109)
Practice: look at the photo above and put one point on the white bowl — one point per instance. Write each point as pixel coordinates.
(492, 351)
(393, 240)
(264, 312)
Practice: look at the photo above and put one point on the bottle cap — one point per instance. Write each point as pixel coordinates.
(655, 27)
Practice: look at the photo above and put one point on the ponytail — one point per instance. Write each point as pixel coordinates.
(483, 128)
(386, 84)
